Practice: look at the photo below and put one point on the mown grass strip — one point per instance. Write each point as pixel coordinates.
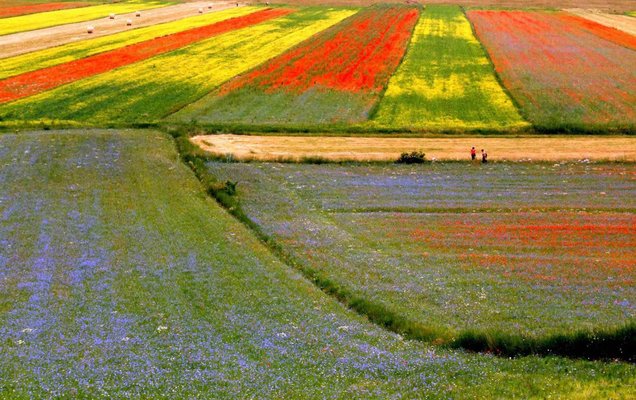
(74, 51)
(149, 90)
(30, 83)
(445, 80)
(53, 18)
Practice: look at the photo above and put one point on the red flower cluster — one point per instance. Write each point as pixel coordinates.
(359, 54)
(37, 8)
(34, 82)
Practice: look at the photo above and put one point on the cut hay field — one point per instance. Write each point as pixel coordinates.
(519, 250)
(120, 278)
(366, 148)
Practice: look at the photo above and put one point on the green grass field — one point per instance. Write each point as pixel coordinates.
(121, 278)
(530, 250)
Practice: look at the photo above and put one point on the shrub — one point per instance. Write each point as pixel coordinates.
(415, 157)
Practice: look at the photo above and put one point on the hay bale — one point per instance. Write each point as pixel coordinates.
(90, 29)
(137, 13)
(200, 10)
(111, 16)
(129, 22)
(210, 6)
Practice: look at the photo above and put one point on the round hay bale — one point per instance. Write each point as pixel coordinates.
(200, 10)
(129, 22)
(137, 13)
(210, 6)
(90, 29)
(111, 16)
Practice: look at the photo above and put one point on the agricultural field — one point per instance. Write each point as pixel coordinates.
(562, 74)
(17, 9)
(446, 81)
(521, 249)
(120, 278)
(334, 78)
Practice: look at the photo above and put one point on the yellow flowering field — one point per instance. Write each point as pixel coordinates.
(77, 50)
(445, 81)
(157, 87)
(47, 19)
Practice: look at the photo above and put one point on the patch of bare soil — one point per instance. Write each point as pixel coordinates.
(296, 148)
(624, 23)
(26, 42)
(612, 6)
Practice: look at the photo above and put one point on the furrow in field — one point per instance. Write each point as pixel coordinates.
(624, 23)
(53, 18)
(336, 77)
(37, 8)
(562, 75)
(152, 89)
(26, 42)
(445, 81)
(38, 81)
(75, 51)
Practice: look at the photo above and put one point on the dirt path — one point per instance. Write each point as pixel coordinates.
(621, 22)
(26, 42)
(271, 148)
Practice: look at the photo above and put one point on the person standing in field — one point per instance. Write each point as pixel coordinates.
(473, 153)
(484, 156)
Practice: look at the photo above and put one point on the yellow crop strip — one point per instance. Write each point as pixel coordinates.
(445, 81)
(152, 89)
(75, 51)
(52, 18)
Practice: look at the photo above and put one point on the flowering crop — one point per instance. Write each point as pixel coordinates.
(37, 8)
(334, 77)
(612, 34)
(120, 279)
(85, 48)
(154, 88)
(562, 75)
(47, 19)
(38, 81)
(522, 249)
(446, 80)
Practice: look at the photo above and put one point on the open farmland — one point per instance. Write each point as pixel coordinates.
(519, 249)
(446, 80)
(119, 278)
(22, 9)
(562, 75)
(334, 78)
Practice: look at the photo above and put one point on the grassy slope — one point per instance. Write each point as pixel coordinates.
(445, 81)
(52, 18)
(352, 224)
(256, 103)
(120, 278)
(75, 51)
(149, 90)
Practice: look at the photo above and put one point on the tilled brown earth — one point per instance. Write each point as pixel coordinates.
(621, 22)
(25, 42)
(605, 5)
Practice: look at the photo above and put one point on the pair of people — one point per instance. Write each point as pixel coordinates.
(484, 155)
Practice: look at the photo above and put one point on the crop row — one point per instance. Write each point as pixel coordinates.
(14, 11)
(53, 18)
(152, 89)
(335, 77)
(30, 83)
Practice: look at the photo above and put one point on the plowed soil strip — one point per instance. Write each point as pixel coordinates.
(30, 41)
(37, 8)
(624, 23)
(608, 33)
(31, 83)
(296, 148)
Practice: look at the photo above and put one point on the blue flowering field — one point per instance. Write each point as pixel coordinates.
(121, 278)
(526, 250)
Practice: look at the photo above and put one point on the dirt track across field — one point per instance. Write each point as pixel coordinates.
(26, 42)
(295, 148)
(614, 6)
(624, 23)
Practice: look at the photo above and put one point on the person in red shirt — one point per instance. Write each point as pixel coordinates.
(473, 153)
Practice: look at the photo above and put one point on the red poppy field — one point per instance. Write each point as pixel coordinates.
(14, 11)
